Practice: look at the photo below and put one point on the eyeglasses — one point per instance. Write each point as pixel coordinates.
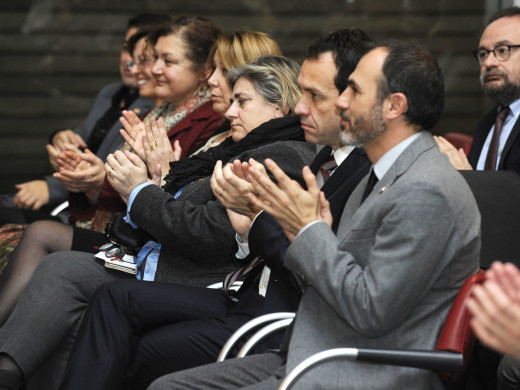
(130, 64)
(501, 53)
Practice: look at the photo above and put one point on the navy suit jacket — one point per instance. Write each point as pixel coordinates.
(510, 158)
(267, 238)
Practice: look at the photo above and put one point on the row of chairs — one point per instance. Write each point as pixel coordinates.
(496, 194)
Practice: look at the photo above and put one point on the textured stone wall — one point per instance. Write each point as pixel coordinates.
(57, 54)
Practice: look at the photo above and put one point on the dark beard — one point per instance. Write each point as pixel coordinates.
(504, 95)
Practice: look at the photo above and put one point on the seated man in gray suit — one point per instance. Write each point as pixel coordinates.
(405, 243)
(99, 132)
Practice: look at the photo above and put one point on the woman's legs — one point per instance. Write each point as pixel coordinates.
(39, 239)
(50, 308)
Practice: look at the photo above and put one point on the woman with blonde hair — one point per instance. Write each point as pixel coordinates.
(185, 326)
(190, 224)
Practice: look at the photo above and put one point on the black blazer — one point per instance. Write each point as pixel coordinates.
(267, 238)
(510, 158)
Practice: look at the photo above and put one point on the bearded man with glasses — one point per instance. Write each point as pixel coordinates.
(496, 142)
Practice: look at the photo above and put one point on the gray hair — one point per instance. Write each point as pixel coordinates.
(274, 77)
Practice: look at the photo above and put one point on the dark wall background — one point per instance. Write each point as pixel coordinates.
(57, 54)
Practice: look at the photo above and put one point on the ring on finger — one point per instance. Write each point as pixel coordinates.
(153, 147)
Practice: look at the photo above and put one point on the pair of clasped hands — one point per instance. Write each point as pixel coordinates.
(245, 189)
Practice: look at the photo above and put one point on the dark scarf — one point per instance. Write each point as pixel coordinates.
(201, 165)
(121, 100)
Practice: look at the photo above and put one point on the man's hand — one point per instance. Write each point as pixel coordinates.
(87, 176)
(231, 188)
(64, 137)
(32, 194)
(291, 205)
(126, 171)
(495, 307)
(457, 157)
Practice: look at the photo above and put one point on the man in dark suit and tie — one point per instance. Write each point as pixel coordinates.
(403, 248)
(496, 141)
(338, 167)
(268, 287)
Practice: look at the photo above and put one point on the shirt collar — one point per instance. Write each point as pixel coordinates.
(387, 160)
(515, 107)
(342, 153)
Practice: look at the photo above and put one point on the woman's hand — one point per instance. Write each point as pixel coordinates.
(457, 157)
(81, 173)
(126, 170)
(231, 188)
(157, 146)
(134, 132)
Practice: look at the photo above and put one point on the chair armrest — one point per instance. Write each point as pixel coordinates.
(261, 334)
(219, 285)
(248, 327)
(59, 208)
(432, 360)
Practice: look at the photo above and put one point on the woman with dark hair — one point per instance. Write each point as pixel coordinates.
(187, 117)
(196, 236)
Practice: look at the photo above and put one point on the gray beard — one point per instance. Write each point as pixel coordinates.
(368, 127)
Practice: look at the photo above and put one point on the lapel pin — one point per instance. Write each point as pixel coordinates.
(383, 189)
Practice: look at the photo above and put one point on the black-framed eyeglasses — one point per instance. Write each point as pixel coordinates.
(501, 53)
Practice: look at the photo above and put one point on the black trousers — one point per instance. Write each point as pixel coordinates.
(135, 332)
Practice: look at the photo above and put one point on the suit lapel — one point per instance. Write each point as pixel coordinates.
(481, 133)
(342, 172)
(322, 157)
(509, 143)
(355, 210)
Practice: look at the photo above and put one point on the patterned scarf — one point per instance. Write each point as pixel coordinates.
(171, 115)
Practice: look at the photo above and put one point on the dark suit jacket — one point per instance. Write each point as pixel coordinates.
(510, 158)
(270, 242)
(267, 238)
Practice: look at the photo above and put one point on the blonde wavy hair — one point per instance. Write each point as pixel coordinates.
(243, 47)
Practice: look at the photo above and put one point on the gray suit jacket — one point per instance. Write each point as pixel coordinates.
(388, 278)
(198, 241)
(112, 141)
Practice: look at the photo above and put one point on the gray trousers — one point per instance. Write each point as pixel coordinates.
(257, 372)
(40, 330)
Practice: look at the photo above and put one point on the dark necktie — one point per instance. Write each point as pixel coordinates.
(232, 277)
(492, 155)
(326, 169)
(372, 180)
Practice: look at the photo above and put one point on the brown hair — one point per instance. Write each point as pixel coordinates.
(196, 32)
